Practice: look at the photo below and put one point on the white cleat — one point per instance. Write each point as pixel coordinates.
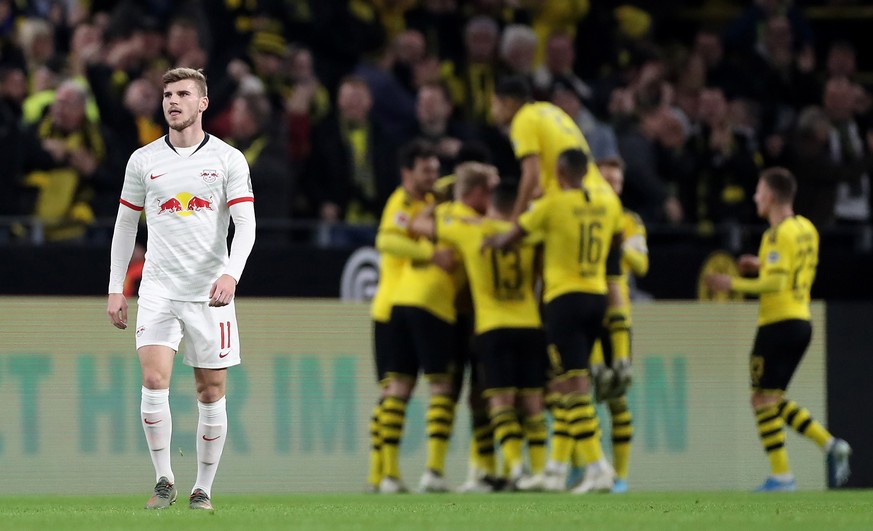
(597, 479)
(474, 486)
(555, 478)
(390, 485)
(432, 482)
(531, 483)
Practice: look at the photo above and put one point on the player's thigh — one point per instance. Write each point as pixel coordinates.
(572, 322)
(210, 335)
(531, 359)
(434, 343)
(381, 348)
(157, 323)
(401, 359)
(777, 352)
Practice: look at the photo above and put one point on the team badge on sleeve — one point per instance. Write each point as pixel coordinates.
(772, 257)
(401, 219)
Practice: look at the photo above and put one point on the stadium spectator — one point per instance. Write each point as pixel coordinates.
(558, 64)
(435, 124)
(256, 133)
(570, 97)
(518, 44)
(472, 78)
(351, 171)
(62, 156)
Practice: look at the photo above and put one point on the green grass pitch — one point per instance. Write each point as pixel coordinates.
(819, 511)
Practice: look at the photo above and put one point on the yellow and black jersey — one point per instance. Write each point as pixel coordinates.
(501, 281)
(788, 259)
(426, 286)
(577, 227)
(634, 252)
(543, 129)
(399, 211)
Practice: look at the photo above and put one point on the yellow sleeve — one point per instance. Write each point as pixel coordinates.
(522, 133)
(762, 284)
(403, 246)
(635, 258)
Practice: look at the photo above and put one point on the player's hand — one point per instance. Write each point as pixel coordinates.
(718, 282)
(116, 308)
(222, 291)
(748, 264)
(445, 260)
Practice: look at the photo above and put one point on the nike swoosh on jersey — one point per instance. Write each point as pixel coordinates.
(153, 176)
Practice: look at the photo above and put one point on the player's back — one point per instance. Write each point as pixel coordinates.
(791, 249)
(399, 211)
(426, 286)
(578, 226)
(501, 281)
(543, 129)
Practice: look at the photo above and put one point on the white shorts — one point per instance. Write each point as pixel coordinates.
(209, 335)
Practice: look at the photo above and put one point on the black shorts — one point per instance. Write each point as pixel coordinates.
(420, 341)
(777, 352)
(573, 321)
(513, 358)
(381, 348)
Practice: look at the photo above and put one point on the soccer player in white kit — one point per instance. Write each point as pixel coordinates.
(189, 184)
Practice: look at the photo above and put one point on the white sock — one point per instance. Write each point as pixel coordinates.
(157, 423)
(211, 433)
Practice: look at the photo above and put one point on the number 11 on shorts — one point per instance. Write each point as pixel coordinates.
(225, 335)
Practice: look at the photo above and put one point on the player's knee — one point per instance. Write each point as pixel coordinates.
(209, 394)
(154, 380)
(760, 399)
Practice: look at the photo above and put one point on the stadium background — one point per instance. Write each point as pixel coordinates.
(70, 383)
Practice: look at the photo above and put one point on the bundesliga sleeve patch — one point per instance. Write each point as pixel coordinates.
(401, 219)
(772, 257)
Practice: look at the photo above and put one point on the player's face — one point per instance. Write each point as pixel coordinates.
(183, 104)
(763, 198)
(614, 176)
(425, 174)
(501, 110)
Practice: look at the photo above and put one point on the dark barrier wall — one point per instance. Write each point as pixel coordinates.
(310, 271)
(849, 350)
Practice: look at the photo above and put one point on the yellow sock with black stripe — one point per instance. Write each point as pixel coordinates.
(508, 433)
(391, 420)
(536, 432)
(773, 438)
(482, 445)
(583, 425)
(439, 419)
(561, 443)
(375, 474)
(622, 433)
(801, 420)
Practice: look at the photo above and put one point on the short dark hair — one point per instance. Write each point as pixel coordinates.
(781, 182)
(416, 149)
(573, 163)
(503, 196)
(516, 87)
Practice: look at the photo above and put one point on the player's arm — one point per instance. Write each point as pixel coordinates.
(635, 251)
(424, 224)
(123, 241)
(770, 281)
(224, 288)
(530, 179)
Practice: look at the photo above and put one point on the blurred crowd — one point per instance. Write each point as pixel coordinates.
(319, 94)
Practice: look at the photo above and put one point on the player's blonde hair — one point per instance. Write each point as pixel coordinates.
(472, 175)
(183, 73)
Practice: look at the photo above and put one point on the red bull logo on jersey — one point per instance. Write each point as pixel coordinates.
(184, 204)
(209, 176)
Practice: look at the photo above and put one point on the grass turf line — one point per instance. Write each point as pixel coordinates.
(657, 511)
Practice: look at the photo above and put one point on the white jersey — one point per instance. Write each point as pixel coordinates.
(187, 203)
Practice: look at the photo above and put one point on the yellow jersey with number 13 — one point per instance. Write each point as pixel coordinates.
(790, 249)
